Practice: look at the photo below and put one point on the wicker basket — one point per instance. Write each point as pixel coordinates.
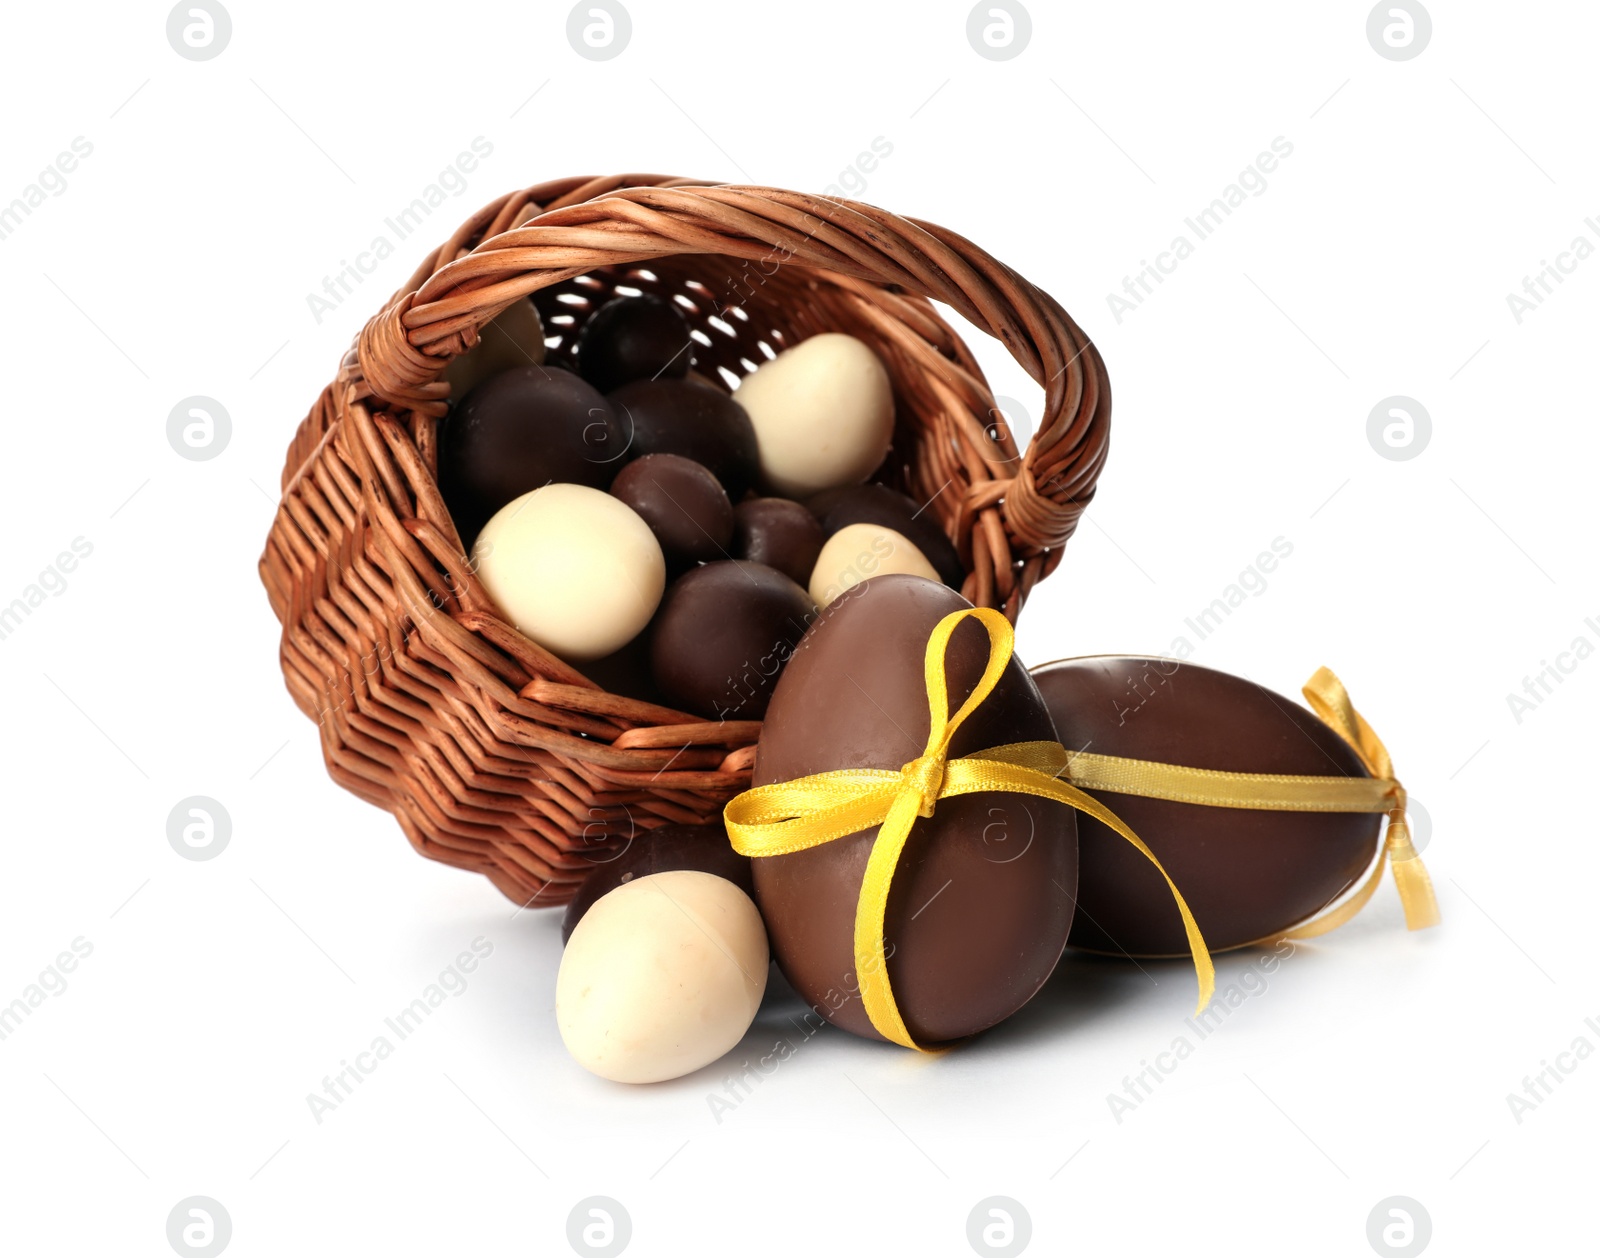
(493, 754)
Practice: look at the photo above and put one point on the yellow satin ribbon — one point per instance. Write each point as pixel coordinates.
(792, 816)
(1380, 793)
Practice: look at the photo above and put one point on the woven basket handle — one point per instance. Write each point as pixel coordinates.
(559, 230)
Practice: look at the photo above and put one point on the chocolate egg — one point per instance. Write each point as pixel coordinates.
(519, 430)
(514, 338)
(661, 977)
(1247, 874)
(634, 338)
(684, 505)
(878, 504)
(779, 533)
(982, 898)
(823, 413)
(723, 635)
(572, 568)
(858, 552)
(692, 420)
(705, 848)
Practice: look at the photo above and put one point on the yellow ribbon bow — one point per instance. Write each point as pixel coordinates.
(792, 816)
(1285, 792)
(1326, 695)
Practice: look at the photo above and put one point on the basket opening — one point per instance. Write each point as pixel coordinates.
(742, 315)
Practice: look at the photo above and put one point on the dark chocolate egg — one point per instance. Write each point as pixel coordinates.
(705, 848)
(518, 431)
(634, 338)
(722, 636)
(878, 504)
(684, 505)
(982, 899)
(1247, 874)
(692, 420)
(779, 533)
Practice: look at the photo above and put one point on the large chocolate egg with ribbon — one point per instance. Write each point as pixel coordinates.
(1248, 873)
(980, 900)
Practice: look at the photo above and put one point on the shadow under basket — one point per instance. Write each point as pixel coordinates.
(493, 754)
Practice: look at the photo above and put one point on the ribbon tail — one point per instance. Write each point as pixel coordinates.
(1416, 894)
(1328, 698)
(1205, 972)
(872, 972)
(1015, 773)
(1411, 878)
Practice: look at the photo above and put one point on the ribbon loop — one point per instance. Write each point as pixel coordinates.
(1329, 700)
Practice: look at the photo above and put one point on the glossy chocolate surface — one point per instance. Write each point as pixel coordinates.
(705, 848)
(1245, 873)
(982, 899)
(684, 505)
(723, 635)
(779, 533)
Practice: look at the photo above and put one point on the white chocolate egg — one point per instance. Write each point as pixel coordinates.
(661, 976)
(859, 551)
(573, 568)
(823, 413)
(514, 338)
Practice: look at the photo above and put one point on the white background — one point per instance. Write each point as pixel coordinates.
(220, 993)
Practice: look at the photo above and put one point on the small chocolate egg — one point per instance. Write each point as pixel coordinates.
(705, 848)
(692, 420)
(521, 429)
(514, 338)
(573, 568)
(859, 551)
(634, 338)
(823, 412)
(982, 898)
(1247, 874)
(684, 505)
(779, 533)
(661, 977)
(723, 635)
(878, 504)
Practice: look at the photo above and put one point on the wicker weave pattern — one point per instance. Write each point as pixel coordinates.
(493, 754)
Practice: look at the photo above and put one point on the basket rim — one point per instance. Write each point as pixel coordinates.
(363, 549)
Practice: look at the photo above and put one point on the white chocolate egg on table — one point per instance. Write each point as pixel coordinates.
(573, 568)
(823, 412)
(661, 976)
(859, 551)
